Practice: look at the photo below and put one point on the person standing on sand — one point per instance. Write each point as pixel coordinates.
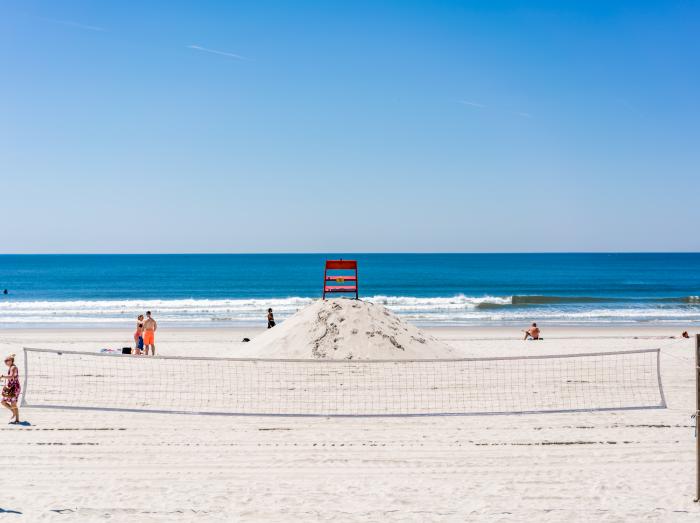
(270, 319)
(138, 335)
(11, 390)
(533, 332)
(149, 334)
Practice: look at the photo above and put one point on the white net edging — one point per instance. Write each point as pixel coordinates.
(552, 383)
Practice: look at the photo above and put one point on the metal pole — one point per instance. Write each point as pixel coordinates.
(23, 401)
(697, 416)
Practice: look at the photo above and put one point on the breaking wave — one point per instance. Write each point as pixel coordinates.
(453, 310)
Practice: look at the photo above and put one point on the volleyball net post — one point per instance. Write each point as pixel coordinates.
(697, 417)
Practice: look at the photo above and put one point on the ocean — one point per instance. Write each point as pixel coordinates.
(427, 289)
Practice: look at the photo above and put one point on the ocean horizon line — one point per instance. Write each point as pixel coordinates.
(316, 253)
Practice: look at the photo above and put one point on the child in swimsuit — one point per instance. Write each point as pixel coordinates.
(138, 335)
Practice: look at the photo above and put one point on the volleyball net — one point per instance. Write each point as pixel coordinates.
(231, 386)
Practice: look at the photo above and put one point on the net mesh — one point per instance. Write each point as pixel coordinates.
(601, 381)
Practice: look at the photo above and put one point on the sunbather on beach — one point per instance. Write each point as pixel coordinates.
(533, 332)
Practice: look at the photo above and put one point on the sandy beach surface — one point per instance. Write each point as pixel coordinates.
(594, 466)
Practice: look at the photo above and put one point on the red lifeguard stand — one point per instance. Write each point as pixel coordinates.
(340, 283)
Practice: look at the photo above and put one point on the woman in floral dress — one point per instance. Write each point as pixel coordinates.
(11, 389)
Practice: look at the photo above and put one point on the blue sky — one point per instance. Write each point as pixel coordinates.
(349, 126)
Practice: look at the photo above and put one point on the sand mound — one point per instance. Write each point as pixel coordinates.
(346, 329)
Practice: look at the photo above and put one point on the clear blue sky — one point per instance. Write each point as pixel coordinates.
(263, 126)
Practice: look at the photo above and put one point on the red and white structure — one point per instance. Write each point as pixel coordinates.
(345, 282)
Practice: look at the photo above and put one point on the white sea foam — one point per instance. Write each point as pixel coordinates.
(459, 302)
(454, 310)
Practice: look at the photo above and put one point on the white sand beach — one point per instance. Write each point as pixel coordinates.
(602, 466)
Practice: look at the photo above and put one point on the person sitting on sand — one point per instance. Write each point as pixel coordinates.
(533, 332)
(270, 319)
(138, 335)
(11, 390)
(149, 334)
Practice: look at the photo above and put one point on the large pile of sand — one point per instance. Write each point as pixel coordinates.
(346, 329)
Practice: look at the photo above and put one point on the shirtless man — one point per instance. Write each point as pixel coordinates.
(149, 334)
(533, 332)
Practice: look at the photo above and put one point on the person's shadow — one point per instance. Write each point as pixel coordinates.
(7, 511)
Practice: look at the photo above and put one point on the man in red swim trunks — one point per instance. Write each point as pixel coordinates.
(149, 334)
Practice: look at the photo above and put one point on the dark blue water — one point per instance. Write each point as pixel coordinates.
(426, 288)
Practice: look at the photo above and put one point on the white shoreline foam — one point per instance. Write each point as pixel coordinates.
(455, 310)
